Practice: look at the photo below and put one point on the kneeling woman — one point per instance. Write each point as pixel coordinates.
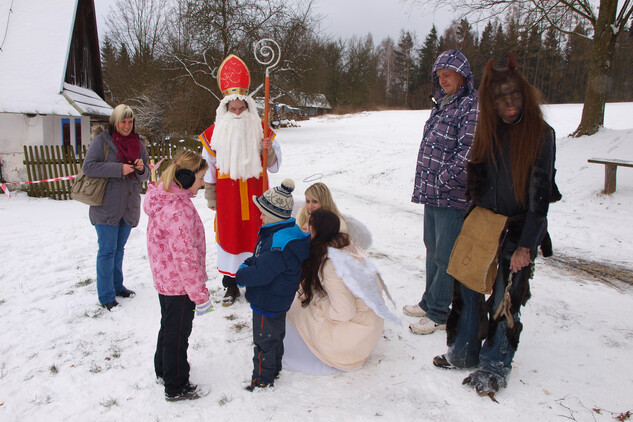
(338, 315)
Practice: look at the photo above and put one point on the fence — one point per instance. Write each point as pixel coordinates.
(47, 162)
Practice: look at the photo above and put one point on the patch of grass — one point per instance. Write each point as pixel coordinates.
(109, 402)
(38, 401)
(231, 317)
(223, 400)
(238, 327)
(94, 368)
(116, 352)
(84, 283)
(53, 368)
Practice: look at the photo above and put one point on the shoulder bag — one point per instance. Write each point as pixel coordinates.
(90, 190)
(475, 256)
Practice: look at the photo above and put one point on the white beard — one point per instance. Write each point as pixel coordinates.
(237, 140)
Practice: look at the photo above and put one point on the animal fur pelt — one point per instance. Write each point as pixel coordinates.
(476, 177)
(487, 324)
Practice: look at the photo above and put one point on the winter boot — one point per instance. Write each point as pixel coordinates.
(257, 384)
(232, 293)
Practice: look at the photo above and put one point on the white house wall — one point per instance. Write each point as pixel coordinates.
(18, 130)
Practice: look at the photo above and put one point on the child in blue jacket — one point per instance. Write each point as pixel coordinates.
(271, 277)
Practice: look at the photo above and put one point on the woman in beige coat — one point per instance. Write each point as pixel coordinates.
(338, 315)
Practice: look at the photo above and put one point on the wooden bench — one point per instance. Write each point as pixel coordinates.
(610, 168)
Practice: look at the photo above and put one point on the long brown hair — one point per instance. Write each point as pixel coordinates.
(525, 135)
(325, 226)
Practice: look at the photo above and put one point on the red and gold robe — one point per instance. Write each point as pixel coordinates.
(237, 218)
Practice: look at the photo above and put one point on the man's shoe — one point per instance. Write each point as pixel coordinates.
(441, 362)
(426, 326)
(414, 311)
(188, 392)
(126, 293)
(257, 384)
(231, 294)
(110, 305)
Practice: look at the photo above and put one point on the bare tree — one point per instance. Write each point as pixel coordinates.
(607, 21)
(139, 25)
(214, 29)
(386, 67)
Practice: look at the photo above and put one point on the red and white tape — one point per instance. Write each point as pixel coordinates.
(155, 166)
(54, 179)
(57, 179)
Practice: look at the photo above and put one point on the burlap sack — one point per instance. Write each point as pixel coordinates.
(474, 259)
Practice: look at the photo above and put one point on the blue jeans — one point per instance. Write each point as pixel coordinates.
(111, 241)
(496, 354)
(441, 228)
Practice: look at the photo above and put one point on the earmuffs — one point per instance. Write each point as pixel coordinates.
(186, 178)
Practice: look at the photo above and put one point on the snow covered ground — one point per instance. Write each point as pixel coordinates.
(62, 357)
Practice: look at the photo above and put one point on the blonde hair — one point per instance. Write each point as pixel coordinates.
(120, 112)
(323, 196)
(184, 159)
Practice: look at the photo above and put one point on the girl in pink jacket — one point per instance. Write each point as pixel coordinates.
(177, 255)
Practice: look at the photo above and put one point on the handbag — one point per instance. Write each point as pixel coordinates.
(475, 256)
(90, 190)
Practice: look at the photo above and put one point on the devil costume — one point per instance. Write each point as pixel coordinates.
(495, 321)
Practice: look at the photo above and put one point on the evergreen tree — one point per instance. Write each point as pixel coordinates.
(622, 71)
(424, 77)
(404, 67)
(466, 39)
(552, 67)
(501, 46)
(577, 53)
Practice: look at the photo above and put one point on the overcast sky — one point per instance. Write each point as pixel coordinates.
(346, 18)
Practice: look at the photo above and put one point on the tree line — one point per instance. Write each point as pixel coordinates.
(160, 58)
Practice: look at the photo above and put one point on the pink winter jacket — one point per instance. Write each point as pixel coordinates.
(176, 244)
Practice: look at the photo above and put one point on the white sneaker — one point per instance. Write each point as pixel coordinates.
(426, 326)
(414, 311)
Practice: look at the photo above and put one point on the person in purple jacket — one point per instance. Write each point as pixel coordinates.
(440, 182)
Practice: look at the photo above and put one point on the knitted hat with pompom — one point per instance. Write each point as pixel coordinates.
(277, 202)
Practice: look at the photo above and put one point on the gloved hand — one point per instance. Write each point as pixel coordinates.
(204, 308)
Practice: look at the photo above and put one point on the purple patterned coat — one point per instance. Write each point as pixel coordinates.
(440, 176)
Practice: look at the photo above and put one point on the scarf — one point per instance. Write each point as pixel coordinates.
(128, 147)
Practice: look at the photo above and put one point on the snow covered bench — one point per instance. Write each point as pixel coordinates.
(610, 168)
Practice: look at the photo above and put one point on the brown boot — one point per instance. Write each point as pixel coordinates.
(232, 293)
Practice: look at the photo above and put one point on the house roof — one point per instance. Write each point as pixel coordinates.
(35, 37)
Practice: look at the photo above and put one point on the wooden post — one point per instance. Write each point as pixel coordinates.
(151, 162)
(609, 178)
